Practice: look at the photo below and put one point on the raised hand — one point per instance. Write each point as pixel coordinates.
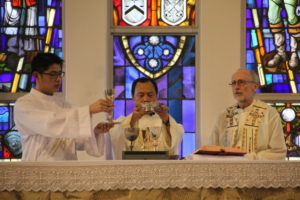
(101, 105)
(103, 127)
(138, 112)
(162, 111)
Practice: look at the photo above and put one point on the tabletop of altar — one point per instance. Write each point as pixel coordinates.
(147, 174)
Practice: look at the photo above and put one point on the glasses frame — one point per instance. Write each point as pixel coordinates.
(54, 75)
(240, 83)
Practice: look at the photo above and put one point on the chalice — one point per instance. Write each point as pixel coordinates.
(110, 95)
(131, 134)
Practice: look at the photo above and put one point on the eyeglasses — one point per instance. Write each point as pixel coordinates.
(240, 82)
(55, 75)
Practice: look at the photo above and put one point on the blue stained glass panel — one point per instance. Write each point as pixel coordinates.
(172, 40)
(119, 57)
(287, 48)
(251, 66)
(188, 113)
(134, 41)
(189, 82)
(55, 40)
(4, 114)
(131, 75)
(267, 44)
(58, 52)
(163, 101)
(189, 53)
(174, 82)
(189, 144)
(269, 78)
(119, 82)
(283, 13)
(258, 3)
(277, 78)
(254, 42)
(297, 140)
(298, 77)
(57, 17)
(129, 107)
(3, 42)
(119, 109)
(272, 45)
(248, 36)
(265, 23)
(248, 14)
(42, 21)
(176, 111)
(162, 85)
(60, 34)
(53, 3)
(250, 56)
(265, 3)
(42, 31)
(4, 126)
(119, 91)
(7, 77)
(251, 4)
(282, 88)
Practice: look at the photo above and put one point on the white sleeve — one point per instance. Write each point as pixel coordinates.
(276, 144)
(60, 123)
(176, 131)
(217, 131)
(95, 145)
(115, 140)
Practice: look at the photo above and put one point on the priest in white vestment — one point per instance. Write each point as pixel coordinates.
(52, 129)
(250, 124)
(145, 90)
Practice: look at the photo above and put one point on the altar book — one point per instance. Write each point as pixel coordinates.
(220, 150)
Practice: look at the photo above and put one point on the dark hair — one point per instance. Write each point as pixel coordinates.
(42, 61)
(143, 80)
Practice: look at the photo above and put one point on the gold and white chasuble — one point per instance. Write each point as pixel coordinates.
(256, 129)
(116, 142)
(242, 126)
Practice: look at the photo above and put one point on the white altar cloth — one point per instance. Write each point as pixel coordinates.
(148, 174)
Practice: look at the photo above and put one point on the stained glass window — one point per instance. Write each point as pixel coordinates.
(154, 13)
(272, 50)
(169, 59)
(10, 140)
(27, 27)
(290, 116)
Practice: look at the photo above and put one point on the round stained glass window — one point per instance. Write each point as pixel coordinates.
(288, 114)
